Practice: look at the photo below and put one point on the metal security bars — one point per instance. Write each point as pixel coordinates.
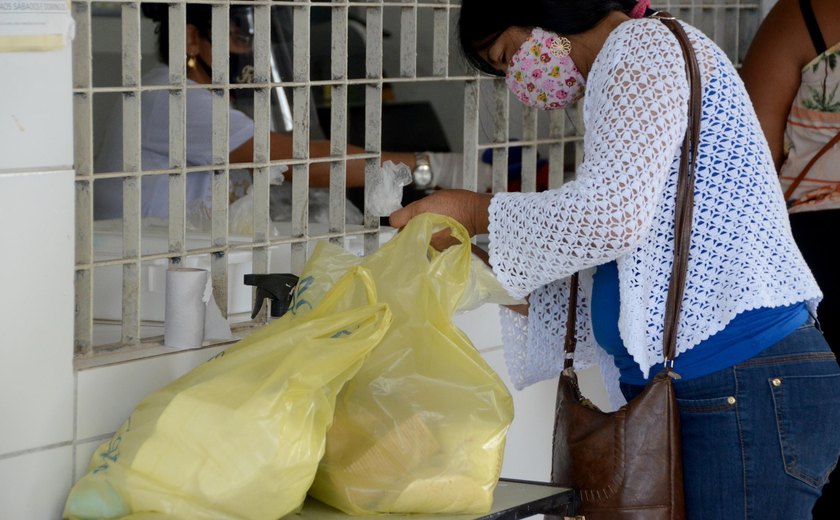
(308, 78)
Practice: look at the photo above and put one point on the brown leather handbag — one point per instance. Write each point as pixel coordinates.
(627, 464)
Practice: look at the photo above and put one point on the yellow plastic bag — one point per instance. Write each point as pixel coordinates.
(241, 435)
(421, 427)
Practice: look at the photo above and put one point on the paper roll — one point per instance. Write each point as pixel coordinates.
(185, 307)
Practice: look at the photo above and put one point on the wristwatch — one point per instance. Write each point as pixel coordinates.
(422, 175)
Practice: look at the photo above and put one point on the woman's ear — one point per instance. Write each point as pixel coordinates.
(193, 40)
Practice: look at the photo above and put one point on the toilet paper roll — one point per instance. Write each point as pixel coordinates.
(185, 307)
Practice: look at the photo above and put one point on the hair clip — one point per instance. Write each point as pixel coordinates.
(560, 47)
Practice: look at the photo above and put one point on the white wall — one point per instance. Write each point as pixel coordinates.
(36, 277)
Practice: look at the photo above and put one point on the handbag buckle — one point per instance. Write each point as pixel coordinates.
(661, 15)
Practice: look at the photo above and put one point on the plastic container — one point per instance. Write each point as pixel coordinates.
(107, 281)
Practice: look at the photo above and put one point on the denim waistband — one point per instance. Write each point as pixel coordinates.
(805, 343)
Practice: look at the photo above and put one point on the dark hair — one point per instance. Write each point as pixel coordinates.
(199, 15)
(481, 22)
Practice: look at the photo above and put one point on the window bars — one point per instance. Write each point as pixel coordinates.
(408, 47)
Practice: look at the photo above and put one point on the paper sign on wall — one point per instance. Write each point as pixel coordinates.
(35, 25)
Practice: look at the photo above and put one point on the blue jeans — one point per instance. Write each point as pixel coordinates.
(759, 439)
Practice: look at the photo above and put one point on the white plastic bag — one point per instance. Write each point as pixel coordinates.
(241, 211)
(384, 194)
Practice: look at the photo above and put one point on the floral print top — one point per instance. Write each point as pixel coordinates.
(814, 120)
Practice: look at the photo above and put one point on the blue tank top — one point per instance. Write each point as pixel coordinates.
(745, 336)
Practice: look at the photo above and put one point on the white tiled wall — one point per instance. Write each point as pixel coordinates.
(81, 457)
(100, 411)
(36, 284)
(34, 483)
(36, 280)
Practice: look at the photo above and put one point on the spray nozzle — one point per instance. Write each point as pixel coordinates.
(278, 287)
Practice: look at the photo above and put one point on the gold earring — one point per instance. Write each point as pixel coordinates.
(191, 62)
(560, 47)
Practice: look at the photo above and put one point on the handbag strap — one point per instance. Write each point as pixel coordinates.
(683, 211)
(795, 184)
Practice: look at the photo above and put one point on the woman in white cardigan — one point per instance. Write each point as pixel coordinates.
(760, 390)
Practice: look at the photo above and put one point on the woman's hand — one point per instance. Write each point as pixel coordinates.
(469, 208)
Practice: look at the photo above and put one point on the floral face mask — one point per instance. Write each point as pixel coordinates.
(542, 75)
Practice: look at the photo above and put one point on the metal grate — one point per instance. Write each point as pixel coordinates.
(117, 262)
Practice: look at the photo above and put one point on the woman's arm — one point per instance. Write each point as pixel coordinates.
(772, 70)
(319, 173)
(521, 308)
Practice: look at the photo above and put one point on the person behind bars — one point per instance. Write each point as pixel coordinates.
(154, 132)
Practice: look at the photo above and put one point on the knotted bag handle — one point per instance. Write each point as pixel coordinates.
(682, 215)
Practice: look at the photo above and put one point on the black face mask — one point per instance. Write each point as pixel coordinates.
(242, 64)
(242, 72)
(242, 68)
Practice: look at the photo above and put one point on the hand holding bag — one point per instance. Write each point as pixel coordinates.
(627, 464)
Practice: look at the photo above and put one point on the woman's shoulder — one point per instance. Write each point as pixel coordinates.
(641, 32)
(157, 75)
(650, 42)
(637, 43)
(636, 39)
(652, 34)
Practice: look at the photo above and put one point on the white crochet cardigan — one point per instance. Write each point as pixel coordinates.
(621, 207)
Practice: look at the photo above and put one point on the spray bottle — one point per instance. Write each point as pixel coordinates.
(278, 287)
